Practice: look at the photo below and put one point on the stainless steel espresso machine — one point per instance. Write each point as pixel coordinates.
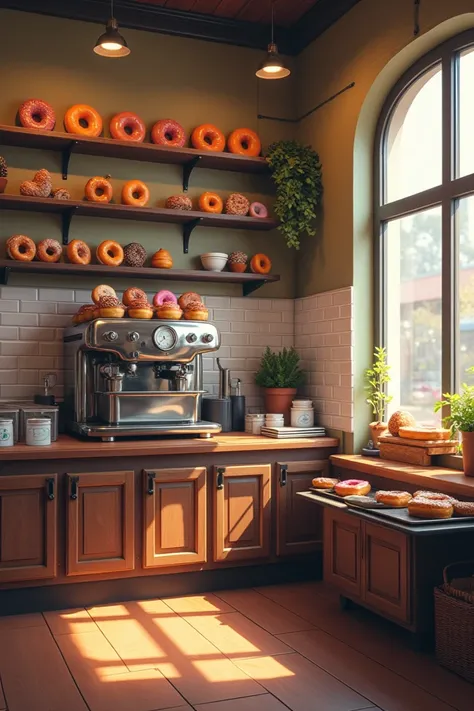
(134, 377)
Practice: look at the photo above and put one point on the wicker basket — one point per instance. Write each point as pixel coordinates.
(454, 619)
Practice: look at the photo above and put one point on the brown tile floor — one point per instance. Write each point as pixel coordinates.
(266, 649)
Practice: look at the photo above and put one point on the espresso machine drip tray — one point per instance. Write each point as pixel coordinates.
(108, 433)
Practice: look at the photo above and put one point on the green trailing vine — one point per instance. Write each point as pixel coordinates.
(297, 174)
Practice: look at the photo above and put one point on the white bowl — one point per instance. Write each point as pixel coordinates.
(214, 261)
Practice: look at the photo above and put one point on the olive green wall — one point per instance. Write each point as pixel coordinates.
(164, 77)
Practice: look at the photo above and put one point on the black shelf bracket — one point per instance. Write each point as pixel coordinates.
(187, 170)
(66, 156)
(4, 274)
(187, 231)
(66, 218)
(249, 286)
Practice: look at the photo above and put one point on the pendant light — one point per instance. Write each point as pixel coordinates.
(273, 66)
(111, 43)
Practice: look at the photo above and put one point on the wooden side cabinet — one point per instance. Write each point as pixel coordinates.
(299, 526)
(174, 517)
(28, 527)
(242, 515)
(342, 551)
(100, 523)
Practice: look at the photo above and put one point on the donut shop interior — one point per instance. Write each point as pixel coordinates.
(236, 355)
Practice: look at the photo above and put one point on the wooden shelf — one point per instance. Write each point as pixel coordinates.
(188, 158)
(250, 282)
(188, 219)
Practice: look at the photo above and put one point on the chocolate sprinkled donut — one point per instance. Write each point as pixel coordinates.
(134, 255)
(237, 204)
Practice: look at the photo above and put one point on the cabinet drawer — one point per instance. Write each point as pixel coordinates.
(342, 551)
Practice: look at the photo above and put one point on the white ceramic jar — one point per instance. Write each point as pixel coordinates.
(254, 423)
(6, 432)
(302, 413)
(274, 420)
(38, 431)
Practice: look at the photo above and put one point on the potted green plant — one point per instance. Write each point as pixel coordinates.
(376, 379)
(296, 172)
(279, 373)
(461, 419)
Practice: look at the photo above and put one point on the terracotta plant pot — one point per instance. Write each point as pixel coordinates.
(3, 184)
(237, 267)
(468, 453)
(279, 400)
(377, 429)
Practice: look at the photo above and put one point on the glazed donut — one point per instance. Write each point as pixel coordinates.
(428, 508)
(78, 252)
(49, 250)
(135, 193)
(162, 259)
(98, 189)
(127, 126)
(134, 255)
(133, 294)
(245, 142)
(397, 499)
(237, 204)
(110, 253)
(168, 133)
(324, 482)
(102, 290)
(196, 311)
(179, 202)
(258, 209)
(211, 202)
(164, 295)
(208, 138)
(464, 508)
(40, 186)
(433, 496)
(352, 486)
(83, 120)
(21, 248)
(35, 113)
(187, 297)
(260, 264)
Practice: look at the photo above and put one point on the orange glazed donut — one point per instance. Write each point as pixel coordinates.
(78, 252)
(260, 264)
(211, 202)
(244, 142)
(110, 253)
(21, 248)
(135, 193)
(208, 138)
(98, 189)
(83, 120)
(49, 250)
(168, 133)
(127, 127)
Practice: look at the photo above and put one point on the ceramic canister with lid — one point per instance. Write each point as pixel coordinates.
(254, 423)
(38, 431)
(6, 432)
(302, 413)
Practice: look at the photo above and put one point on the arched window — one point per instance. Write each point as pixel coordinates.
(424, 215)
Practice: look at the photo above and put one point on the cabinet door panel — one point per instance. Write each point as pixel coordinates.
(100, 535)
(175, 517)
(342, 551)
(386, 571)
(299, 526)
(242, 512)
(28, 527)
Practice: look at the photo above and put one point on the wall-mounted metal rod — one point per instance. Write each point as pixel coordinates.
(311, 111)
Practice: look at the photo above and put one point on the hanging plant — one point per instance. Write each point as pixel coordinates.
(296, 172)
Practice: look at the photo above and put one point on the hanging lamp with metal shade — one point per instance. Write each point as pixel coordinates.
(111, 43)
(273, 66)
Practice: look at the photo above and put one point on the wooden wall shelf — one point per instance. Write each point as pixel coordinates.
(188, 158)
(187, 219)
(250, 282)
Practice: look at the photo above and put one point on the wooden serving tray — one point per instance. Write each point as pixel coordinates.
(421, 456)
(423, 443)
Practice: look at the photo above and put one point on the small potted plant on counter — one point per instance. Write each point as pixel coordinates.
(461, 419)
(280, 375)
(376, 379)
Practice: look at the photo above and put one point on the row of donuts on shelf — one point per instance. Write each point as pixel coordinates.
(135, 304)
(137, 194)
(421, 504)
(84, 120)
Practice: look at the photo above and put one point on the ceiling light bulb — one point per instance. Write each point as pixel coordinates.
(111, 43)
(272, 66)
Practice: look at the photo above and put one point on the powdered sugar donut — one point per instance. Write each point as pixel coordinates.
(164, 295)
(258, 209)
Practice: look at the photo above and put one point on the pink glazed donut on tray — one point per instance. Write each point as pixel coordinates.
(258, 209)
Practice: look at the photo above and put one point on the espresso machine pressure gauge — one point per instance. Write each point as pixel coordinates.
(165, 338)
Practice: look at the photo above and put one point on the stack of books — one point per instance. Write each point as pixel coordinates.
(291, 432)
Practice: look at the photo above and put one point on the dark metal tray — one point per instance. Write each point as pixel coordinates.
(402, 516)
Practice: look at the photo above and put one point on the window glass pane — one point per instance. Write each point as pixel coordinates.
(465, 230)
(413, 312)
(466, 112)
(414, 140)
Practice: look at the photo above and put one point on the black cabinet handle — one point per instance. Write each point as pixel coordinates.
(151, 484)
(74, 487)
(220, 478)
(283, 474)
(50, 488)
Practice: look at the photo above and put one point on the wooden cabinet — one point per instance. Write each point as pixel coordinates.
(299, 526)
(242, 515)
(100, 525)
(28, 527)
(174, 517)
(342, 551)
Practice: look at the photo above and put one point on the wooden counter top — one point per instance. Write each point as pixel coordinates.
(448, 481)
(67, 447)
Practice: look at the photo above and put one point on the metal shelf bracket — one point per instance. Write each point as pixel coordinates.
(4, 274)
(249, 286)
(66, 218)
(187, 231)
(187, 170)
(66, 156)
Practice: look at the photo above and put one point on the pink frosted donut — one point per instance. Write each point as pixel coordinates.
(162, 296)
(168, 132)
(258, 209)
